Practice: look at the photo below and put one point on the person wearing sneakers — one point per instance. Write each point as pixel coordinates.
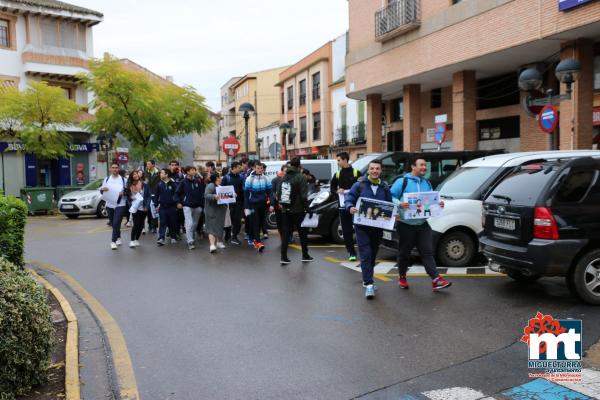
(257, 190)
(215, 213)
(190, 199)
(292, 196)
(113, 193)
(368, 238)
(235, 178)
(415, 232)
(139, 195)
(340, 184)
(164, 199)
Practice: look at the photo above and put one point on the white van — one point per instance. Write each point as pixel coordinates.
(323, 170)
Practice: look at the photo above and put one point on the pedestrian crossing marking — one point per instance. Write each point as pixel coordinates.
(388, 268)
(455, 393)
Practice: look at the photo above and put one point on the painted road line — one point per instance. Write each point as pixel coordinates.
(589, 385)
(455, 393)
(334, 260)
(120, 355)
(72, 383)
(318, 246)
(543, 390)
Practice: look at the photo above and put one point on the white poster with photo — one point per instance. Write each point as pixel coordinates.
(342, 198)
(225, 194)
(422, 205)
(375, 213)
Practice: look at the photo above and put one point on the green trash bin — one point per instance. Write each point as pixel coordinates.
(62, 190)
(38, 198)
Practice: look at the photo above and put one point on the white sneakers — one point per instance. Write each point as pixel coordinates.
(113, 245)
(213, 248)
(119, 242)
(220, 245)
(134, 243)
(173, 241)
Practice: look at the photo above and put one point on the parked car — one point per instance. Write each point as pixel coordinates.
(543, 219)
(85, 201)
(394, 164)
(322, 169)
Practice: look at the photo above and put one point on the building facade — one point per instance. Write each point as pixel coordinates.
(306, 104)
(51, 41)
(258, 89)
(207, 146)
(459, 61)
(269, 140)
(228, 110)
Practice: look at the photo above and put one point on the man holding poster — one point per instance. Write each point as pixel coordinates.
(413, 229)
(368, 238)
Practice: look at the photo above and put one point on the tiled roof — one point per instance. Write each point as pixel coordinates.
(58, 5)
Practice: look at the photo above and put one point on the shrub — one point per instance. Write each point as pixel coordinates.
(26, 332)
(13, 216)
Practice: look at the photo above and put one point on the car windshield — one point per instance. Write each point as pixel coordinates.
(362, 163)
(464, 182)
(94, 185)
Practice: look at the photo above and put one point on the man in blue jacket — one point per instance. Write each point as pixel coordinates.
(368, 238)
(415, 231)
(257, 191)
(190, 199)
(164, 199)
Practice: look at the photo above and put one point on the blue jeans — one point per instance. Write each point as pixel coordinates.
(168, 218)
(368, 240)
(115, 216)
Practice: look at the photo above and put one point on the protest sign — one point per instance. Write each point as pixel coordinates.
(422, 205)
(375, 213)
(225, 194)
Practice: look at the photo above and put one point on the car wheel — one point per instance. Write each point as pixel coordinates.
(337, 234)
(521, 277)
(101, 210)
(272, 220)
(72, 216)
(586, 277)
(455, 249)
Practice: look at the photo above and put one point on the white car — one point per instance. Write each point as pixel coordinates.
(456, 231)
(85, 201)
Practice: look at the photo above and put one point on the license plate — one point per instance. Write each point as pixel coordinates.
(503, 223)
(387, 235)
(67, 206)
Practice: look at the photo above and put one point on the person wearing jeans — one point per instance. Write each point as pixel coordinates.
(293, 209)
(167, 207)
(136, 187)
(417, 232)
(190, 198)
(116, 202)
(235, 178)
(257, 190)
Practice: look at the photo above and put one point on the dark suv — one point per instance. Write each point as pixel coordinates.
(543, 219)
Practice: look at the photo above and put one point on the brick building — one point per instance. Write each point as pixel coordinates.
(412, 60)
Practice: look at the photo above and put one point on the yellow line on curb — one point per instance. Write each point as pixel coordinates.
(317, 246)
(122, 361)
(72, 383)
(334, 260)
(382, 277)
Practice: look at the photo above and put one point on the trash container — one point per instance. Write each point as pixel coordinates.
(62, 190)
(38, 198)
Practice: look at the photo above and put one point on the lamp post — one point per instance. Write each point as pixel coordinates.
(246, 108)
(285, 127)
(531, 80)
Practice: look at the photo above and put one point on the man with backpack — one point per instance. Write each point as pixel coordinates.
(292, 196)
(368, 238)
(340, 184)
(415, 232)
(116, 203)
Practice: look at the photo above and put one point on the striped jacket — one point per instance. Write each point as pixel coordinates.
(257, 190)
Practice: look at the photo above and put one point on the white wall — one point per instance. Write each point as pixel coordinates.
(269, 136)
(339, 57)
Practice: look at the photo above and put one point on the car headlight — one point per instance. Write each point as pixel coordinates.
(321, 197)
(87, 198)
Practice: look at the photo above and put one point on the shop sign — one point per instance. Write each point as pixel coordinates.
(12, 147)
(596, 114)
(564, 5)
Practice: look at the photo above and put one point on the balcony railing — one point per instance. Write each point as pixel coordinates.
(396, 18)
(358, 134)
(341, 136)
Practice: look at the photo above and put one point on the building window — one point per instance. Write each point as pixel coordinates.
(498, 91)
(317, 126)
(397, 109)
(316, 86)
(282, 103)
(303, 129)
(597, 73)
(500, 128)
(291, 135)
(302, 99)
(436, 98)
(4, 37)
(290, 97)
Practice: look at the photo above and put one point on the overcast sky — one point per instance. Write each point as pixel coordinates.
(203, 43)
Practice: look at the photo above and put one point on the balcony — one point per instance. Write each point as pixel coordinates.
(358, 134)
(341, 136)
(397, 18)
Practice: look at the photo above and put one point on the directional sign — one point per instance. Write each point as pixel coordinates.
(231, 146)
(548, 118)
(440, 133)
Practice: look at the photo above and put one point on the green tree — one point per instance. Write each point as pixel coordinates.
(147, 112)
(38, 117)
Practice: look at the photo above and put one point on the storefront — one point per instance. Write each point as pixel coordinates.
(19, 169)
(309, 152)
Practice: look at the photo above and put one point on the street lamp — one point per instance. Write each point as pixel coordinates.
(246, 108)
(285, 130)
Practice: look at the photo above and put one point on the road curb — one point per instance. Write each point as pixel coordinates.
(72, 383)
(121, 360)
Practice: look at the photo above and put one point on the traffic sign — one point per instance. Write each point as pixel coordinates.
(440, 133)
(122, 158)
(548, 118)
(231, 146)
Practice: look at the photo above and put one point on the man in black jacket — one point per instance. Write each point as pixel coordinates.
(235, 178)
(276, 182)
(190, 198)
(340, 184)
(153, 179)
(292, 195)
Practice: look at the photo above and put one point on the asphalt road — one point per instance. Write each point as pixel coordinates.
(237, 325)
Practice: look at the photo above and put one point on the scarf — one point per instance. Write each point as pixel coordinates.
(374, 181)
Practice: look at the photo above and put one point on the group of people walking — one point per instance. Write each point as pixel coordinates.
(174, 200)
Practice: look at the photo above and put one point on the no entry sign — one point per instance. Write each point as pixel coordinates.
(440, 133)
(231, 146)
(548, 118)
